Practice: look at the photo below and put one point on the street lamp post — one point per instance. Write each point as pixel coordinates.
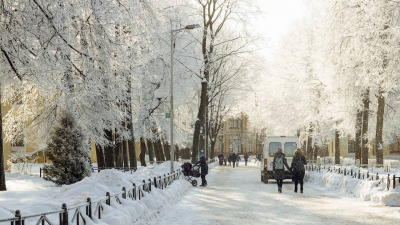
(188, 27)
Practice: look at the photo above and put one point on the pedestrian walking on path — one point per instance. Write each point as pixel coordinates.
(203, 170)
(278, 167)
(237, 160)
(230, 159)
(298, 171)
(234, 159)
(246, 157)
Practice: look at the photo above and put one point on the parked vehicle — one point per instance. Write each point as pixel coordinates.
(288, 144)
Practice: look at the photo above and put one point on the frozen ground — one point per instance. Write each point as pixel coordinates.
(236, 196)
(32, 195)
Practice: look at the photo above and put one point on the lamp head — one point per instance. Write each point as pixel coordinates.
(192, 26)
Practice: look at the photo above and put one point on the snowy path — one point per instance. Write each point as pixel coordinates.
(236, 196)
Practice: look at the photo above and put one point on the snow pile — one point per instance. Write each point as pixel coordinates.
(367, 190)
(31, 195)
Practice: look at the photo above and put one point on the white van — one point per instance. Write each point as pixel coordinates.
(288, 144)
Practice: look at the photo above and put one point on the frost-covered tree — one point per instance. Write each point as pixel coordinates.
(69, 151)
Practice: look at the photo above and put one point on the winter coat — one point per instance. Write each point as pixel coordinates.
(203, 165)
(230, 158)
(279, 173)
(234, 158)
(246, 157)
(298, 166)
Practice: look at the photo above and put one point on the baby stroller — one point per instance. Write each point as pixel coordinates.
(190, 171)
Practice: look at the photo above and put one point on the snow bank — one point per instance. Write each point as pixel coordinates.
(367, 190)
(31, 195)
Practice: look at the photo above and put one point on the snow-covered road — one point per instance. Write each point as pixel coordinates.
(236, 196)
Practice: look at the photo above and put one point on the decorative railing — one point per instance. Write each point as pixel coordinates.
(135, 192)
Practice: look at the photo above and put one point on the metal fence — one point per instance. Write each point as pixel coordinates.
(390, 181)
(136, 192)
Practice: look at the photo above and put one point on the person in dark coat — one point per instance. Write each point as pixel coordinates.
(203, 170)
(225, 160)
(246, 157)
(298, 170)
(233, 159)
(230, 159)
(221, 159)
(278, 167)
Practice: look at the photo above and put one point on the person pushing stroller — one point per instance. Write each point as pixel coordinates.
(204, 170)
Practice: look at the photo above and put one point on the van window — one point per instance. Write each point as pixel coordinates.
(273, 147)
(290, 147)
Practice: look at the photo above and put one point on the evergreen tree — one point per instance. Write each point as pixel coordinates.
(69, 152)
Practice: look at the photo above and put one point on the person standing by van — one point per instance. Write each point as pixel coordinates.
(278, 167)
(298, 169)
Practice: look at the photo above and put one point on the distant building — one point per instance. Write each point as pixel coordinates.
(236, 136)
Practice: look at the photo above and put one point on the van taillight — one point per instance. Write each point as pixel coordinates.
(265, 163)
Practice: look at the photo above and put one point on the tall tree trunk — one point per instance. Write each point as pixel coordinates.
(177, 152)
(379, 128)
(2, 168)
(109, 150)
(337, 147)
(151, 150)
(167, 151)
(212, 148)
(131, 141)
(142, 152)
(358, 144)
(125, 152)
(158, 150)
(119, 161)
(100, 157)
(160, 146)
(309, 143)
(198, 139)
(364, 132)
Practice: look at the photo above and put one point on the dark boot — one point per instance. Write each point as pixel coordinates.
(279, 190)
(295, 190)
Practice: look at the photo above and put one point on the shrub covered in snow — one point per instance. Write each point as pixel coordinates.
(69, 152)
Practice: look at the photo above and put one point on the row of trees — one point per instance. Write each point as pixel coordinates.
(338, 73)
(101, 61)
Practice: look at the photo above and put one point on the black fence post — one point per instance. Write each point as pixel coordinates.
(388, 181)
(359, 175)
(367, 174)
(161, 183)
(65, 214)
(351, 172)
(89, 208)
(345, 172)
(377, 176)
(108, 200)
(40, 173)
(123, 192)
(149, 185)
(394, 181)
(134, 190)
(18, 216)
(155, 182)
